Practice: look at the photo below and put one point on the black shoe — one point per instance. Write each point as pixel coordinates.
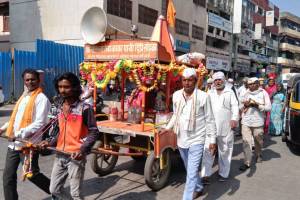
(205, 180)
(197, 194)
(244, 167)
(222, 179)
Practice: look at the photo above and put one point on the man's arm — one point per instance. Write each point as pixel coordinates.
(42, 108)
(93, 132)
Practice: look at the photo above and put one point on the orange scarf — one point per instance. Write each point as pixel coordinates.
(28, 113)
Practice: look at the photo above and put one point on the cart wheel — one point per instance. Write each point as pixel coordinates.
(155, 177)
(103, 164)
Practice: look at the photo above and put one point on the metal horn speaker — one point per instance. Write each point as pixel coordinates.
(94, 25)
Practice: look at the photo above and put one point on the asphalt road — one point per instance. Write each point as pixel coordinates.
(276, 178)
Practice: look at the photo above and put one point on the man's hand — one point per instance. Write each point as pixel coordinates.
(246, 104)
(43, 144)
(213, 149)
(254, 105)
(77, 156)
(233, 124)
(163, 130)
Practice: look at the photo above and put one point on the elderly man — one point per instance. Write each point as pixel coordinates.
(243, 89)
(192, 121)
(254, 104)
(209, 84)
(226, 111)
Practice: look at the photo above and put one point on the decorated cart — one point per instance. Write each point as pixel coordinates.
(132, 127)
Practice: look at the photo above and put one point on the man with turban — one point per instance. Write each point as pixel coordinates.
(226, 111)
(254, 104)
(192, 121)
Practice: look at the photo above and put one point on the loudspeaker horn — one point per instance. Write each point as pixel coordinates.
(94, 26)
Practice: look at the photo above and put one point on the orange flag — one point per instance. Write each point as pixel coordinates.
(171, 13)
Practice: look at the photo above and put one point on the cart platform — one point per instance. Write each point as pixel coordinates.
(125, 128)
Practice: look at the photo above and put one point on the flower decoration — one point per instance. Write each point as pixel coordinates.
(146, 75)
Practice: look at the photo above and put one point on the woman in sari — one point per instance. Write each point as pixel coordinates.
(271, 90)
(276, 117)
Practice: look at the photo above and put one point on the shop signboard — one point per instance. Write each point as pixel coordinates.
(237, 16)
(219, 22)
(217, 64)
(259, 57)
(119, 49)
(270, 18)
(182, 46)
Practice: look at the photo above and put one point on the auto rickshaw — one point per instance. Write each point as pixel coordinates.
(292, 112)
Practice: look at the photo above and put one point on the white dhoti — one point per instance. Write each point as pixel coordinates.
(225, 149)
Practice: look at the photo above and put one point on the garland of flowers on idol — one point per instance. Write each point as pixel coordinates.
(102, 73)
(144, 73)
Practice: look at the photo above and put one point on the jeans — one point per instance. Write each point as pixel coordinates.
(191, 158)
(13, 159)
(64, 167)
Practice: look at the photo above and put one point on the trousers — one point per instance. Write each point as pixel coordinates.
(191, 158)
(13, 159)
(64, 167)
(247, 133)
(225, 149)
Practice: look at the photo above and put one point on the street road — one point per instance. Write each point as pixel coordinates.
(276, 178)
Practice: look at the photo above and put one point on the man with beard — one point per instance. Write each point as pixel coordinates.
(192, 121)
(29, 115)
(77, 135)
(254, 105)
(226, 111)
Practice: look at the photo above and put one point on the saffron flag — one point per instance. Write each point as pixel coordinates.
(171, 13)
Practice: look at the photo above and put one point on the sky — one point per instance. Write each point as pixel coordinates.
(292, 6)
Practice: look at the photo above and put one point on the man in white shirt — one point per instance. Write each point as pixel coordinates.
(254, 104)
(226, 111)
(192, 121)
(243, 89)
(29, 115)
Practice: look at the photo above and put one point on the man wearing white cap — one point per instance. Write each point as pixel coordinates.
(254, 104)
(226, 111)
(243, 89)
(209, 84)
(192, 121)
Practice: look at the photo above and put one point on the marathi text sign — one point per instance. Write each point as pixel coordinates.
(119, 49)
(219, 22)
(217, 64)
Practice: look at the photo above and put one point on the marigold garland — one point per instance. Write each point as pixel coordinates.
(102, 72)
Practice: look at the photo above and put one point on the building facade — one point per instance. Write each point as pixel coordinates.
(265, 40)
(59, 20)
(242, 42)
(4, 26)
(219, 35)
(289, 49)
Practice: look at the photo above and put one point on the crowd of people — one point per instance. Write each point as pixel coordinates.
(205, 123)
